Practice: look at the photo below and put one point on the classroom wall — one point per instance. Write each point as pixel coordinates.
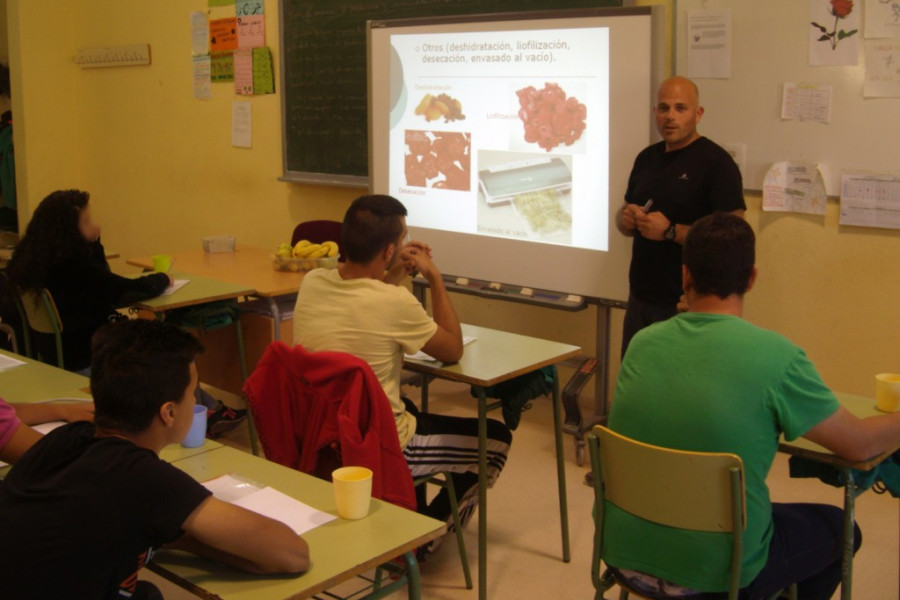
(162, 174)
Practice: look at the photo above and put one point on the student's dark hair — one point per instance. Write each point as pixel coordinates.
(137, 366)
(51, 239)
(719, 253)
(370, 224)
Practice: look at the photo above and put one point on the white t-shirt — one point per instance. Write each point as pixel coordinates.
(373, 320)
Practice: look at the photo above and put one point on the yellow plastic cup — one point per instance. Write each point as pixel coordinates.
(887, 392)
(162, 263)
(352, 491)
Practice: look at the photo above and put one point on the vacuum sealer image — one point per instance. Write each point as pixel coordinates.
(502, 183)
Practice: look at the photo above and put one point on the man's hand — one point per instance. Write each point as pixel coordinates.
(416, 256)
(652, 225)
(627, 221)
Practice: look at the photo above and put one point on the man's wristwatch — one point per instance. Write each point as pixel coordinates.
(669, 235)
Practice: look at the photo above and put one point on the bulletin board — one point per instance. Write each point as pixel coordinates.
(324, 75)
(770, 41)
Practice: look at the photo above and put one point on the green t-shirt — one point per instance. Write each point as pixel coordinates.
(710, 383)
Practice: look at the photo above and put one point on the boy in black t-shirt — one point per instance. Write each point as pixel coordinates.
(85, 507)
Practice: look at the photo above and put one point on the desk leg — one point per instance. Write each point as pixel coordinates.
(273, 308)
(482, 492)
(425, 380)
(561, 471)
(849, 515)
(412, 574)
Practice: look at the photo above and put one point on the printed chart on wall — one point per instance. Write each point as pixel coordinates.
(503, 134)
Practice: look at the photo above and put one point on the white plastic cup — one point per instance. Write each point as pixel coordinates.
(887, 392)
(352, 491)
(196, 435)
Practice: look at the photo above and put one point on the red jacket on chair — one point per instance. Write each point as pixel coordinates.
(307, 403)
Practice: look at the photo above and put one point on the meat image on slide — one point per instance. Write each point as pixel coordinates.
(438, 159)
(550, 118)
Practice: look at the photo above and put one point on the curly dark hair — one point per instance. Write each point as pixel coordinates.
(51, 239)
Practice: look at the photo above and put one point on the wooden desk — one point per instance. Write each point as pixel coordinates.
(39, 382)
(339, 550)
(494, 357)
(247, 265)
(861, 407)
(200, 290)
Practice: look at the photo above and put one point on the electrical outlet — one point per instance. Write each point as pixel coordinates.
(113, 56)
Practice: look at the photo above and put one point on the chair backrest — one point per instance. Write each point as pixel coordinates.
(41, 312)
(317, 232)
(698, 491)
(42, 316)
(666, 486)
(8, 239)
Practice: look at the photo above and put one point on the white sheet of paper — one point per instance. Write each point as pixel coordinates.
(794, 187)
(870, 200)
(709, 44)
(202, 72)
(268, 502)
(882, 19)
(806, 102)
(8, 362)
(176, 285)
(199, 34)
(241, 124)
(833, 41)
(882, 68)
(426, 357)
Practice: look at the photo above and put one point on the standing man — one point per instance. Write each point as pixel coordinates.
(672, 184)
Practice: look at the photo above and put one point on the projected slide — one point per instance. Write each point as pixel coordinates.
(503, 134)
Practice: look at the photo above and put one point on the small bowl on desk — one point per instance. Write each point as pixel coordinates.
(302, 265)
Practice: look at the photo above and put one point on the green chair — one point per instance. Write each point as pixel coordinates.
(38, 310)
(630, 474)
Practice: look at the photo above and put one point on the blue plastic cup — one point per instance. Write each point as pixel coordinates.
(196, 435)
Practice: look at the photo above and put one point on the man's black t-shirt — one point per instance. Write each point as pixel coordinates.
(685, 185)
(80, 515)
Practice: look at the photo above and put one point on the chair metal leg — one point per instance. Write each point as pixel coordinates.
(412, 574)
(561, 472)
(242, 359)
(424, 393)
(482, 492)
(850, 494)
(460, 542)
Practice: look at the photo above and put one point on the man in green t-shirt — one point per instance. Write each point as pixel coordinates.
(707, 380)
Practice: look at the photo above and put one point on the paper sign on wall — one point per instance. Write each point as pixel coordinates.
(243, 71)
(202, 77)
(251, 31)
(222, 66)
(244, 8)
(794, 187)
(223, 34)
(241, 124)
(263, 75)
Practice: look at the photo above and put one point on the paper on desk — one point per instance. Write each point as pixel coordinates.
(268, 502)
(7, 362)
(176, 285)
(427, 357)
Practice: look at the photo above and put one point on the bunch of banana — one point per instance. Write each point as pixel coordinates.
(307, 249)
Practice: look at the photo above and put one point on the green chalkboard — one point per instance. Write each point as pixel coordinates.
(323, 66)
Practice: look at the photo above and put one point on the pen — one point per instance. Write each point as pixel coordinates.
(646, 207)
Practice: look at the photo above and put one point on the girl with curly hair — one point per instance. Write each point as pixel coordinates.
(61, 251)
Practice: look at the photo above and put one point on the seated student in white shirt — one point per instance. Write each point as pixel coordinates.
(359, 309)
(85, 508)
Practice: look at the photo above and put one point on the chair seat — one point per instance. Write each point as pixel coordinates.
(651, 586)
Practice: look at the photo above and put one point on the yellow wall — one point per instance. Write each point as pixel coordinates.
(162, 174)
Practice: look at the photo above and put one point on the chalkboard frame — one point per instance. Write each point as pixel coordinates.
(293, 173)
